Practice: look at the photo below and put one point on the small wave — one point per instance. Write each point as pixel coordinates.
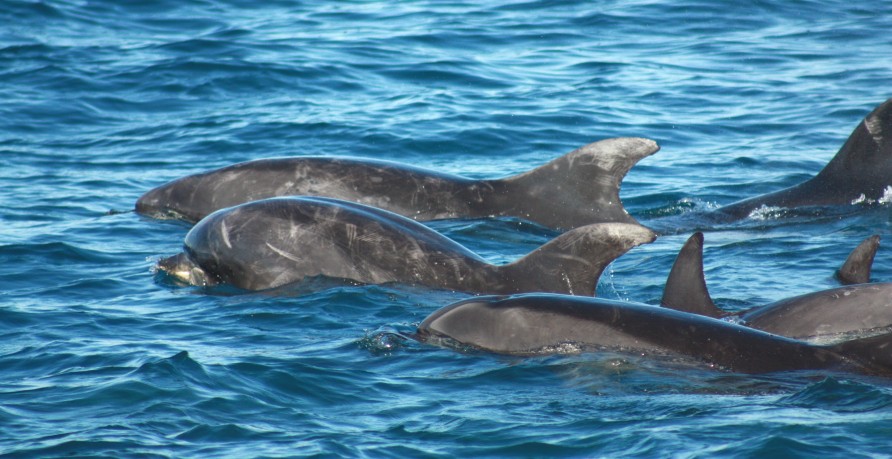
(386, 342)
(56, 252)
(840, 396)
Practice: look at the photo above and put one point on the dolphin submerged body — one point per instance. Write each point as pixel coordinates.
(278, 241)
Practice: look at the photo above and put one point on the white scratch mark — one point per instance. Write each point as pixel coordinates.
(283, 253)
(569, 284)
(874, 126)
(225, 232)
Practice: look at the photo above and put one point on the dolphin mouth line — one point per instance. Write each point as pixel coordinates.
(163, 214)
(158, 211)
(182, 275)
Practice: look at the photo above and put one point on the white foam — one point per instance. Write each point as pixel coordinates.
(887, 196)
(767, 213)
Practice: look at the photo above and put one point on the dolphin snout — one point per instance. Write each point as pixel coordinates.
(183, 269)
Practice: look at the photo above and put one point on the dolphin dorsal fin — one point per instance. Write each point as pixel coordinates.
(579, 188)
(686, 285)
(573, 262)
(864, 162)
(856, 269)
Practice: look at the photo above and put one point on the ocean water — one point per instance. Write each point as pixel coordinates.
(103, 100)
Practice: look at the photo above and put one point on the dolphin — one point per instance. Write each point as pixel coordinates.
(537, 324)
(277, 241)
(844, 310)
(861, 172)
(577, 189)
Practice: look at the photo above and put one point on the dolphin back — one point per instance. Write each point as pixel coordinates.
(875, 352)
(541, 324)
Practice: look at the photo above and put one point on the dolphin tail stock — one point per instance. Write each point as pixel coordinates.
(856, 269)
(686, 285)
(577, 189)
(573, 262)
(874, 352)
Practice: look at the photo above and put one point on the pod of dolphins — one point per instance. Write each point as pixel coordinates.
(272, 222)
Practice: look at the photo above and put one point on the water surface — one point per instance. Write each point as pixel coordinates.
(103, 100)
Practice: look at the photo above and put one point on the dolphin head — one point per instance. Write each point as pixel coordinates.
(462, 320)
(528, 324)
(173, 200)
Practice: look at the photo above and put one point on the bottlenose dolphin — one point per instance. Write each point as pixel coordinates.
(536, 324)
(838, 311)
(276, 241)
(579, 188)
(860, 172)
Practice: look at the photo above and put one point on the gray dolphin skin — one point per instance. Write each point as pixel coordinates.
(537, 324)
(577, 189)
(839, 311)
(860, 172)
(277, 241)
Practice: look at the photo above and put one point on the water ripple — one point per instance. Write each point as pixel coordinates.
(103, 100)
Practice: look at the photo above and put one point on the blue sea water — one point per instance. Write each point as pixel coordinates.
(105, 99)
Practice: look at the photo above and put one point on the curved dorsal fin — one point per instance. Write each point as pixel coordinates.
(860, 172)
(863, 163)
(573, 262)
(686, 286)
(856, 269)
(577, 189)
